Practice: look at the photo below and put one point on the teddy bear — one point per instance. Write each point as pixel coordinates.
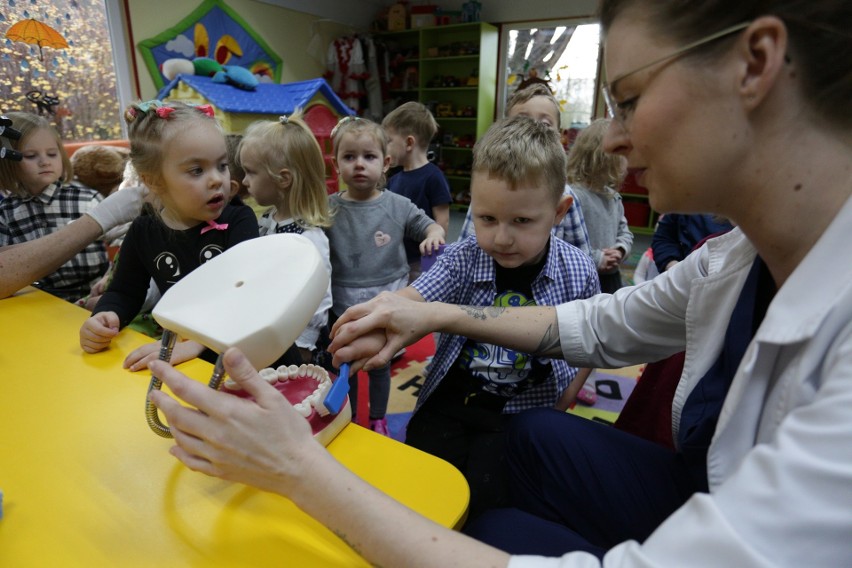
(100, 167)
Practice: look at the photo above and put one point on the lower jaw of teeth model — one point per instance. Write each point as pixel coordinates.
(306, 388)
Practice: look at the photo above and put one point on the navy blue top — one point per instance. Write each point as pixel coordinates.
(676, 236)
(426, 187)
(701, 410)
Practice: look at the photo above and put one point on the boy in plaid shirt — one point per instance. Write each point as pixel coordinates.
(473, 388)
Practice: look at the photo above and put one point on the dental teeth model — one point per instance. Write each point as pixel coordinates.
(306, 387)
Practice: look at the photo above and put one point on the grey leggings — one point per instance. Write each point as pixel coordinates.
(379, 392)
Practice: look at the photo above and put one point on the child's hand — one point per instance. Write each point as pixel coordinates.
(141, 357)
(430, 245)
(434, 238)
(611, 258)
(97, 331)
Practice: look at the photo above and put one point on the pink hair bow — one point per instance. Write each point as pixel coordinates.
(164, 111)
(214, 226)
(206, 109)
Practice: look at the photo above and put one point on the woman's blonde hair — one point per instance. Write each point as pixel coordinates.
(288, 143)
(589, 165)
(27, 123)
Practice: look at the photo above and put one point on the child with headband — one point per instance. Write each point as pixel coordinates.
(179, 152)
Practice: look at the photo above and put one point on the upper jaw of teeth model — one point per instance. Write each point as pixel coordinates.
(257, 296)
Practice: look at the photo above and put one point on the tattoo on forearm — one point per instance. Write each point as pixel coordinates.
(550, 343)
(482, 313)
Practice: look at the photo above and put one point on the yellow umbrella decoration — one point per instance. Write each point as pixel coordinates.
(36, 33)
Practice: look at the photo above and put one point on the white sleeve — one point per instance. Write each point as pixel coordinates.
(309, 336)
(635, 325)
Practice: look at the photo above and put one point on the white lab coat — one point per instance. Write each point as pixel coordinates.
(780, 463)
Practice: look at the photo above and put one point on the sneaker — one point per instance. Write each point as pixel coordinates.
(380, 426)
(587, 395)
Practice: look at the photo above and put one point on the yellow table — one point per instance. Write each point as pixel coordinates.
(87, 483)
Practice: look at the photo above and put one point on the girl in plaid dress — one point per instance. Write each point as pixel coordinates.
(41, 200)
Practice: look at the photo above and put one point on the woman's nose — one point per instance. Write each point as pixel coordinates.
(616, 139)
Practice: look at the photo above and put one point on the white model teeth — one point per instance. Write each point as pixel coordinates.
(303, 409)
(269, 375)
(314, 400)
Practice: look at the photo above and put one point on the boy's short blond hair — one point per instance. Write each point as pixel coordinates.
(535, 90)
(412, 119)
(522, 150)
(589, 165)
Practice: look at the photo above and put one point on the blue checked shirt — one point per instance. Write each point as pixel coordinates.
(572, 228)
(464, 275)
(26, 219)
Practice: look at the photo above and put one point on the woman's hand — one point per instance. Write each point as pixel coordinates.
(264, 443)
(368, 335)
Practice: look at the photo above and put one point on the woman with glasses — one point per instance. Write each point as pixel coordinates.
(736, 108)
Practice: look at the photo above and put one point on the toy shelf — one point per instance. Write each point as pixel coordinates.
(455, 69)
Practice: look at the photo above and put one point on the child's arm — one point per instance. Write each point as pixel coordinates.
(624, 236)
(569, 395)
(410, 293)
(141, 357)
(435, 235)
(441, 215)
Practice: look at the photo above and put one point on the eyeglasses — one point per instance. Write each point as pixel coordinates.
(621, 111)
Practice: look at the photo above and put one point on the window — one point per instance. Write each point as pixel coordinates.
(74, 87)
(565, 54)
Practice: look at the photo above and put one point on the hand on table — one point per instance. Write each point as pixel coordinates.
(97, 332)
(141, 357)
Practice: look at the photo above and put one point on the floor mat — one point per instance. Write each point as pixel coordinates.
(612, 386)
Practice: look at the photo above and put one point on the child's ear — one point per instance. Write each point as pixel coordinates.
(410, 142)
(387, 164)
(286, 178)
(565, 203)
(235, 188)
(151, 183)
